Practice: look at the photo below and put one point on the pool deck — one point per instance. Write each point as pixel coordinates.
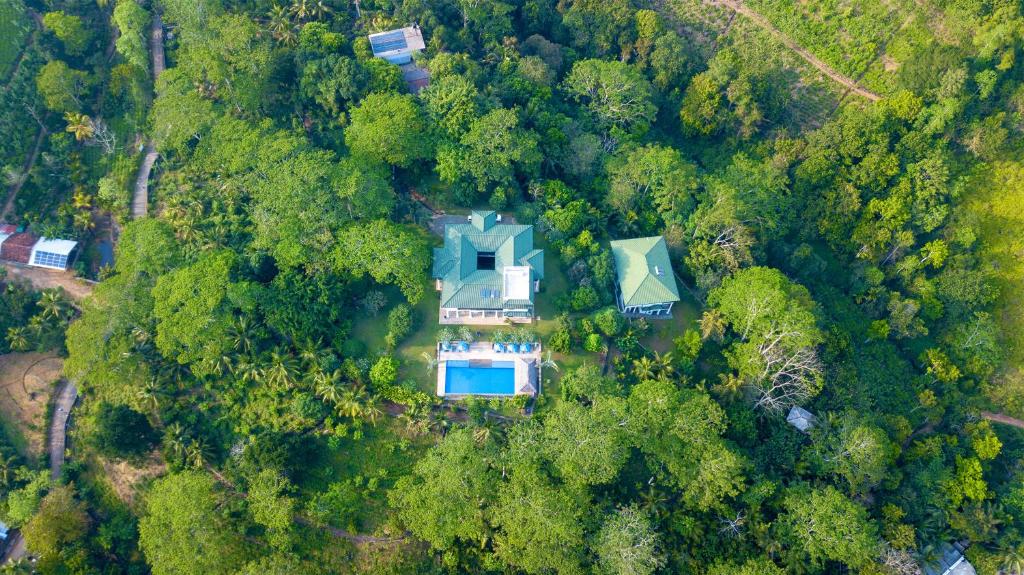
(527, 366)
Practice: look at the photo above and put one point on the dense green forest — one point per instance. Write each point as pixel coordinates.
(839, 183)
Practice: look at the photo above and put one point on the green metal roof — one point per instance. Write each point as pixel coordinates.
(462, 284)
(644, 271)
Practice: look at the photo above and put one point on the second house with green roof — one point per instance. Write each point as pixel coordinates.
(488, 272)
(646, 286)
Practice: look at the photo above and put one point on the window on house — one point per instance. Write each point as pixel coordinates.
(485, 260)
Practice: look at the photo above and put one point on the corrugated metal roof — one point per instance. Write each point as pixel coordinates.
(644, 271)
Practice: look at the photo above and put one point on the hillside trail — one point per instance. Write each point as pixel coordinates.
(1004, 419)
(739, 7)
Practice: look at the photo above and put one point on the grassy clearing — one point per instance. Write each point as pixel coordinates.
(26, 384)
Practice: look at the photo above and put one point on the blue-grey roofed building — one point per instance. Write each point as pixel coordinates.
(397, 46)
(487, 272)
(951, 561)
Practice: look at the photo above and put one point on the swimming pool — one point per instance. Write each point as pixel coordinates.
(478, 378)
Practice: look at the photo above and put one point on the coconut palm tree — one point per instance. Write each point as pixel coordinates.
(431, 361)
(280, 25)
(8, 463)
(1011, 560)
(53, 304)
(643, 368)
(712, 325)
(664, 365)
(351, 402)
(83, 221)
(197, 453)
(282, 368)
(248, 370)
(17, 338)
(80, 125)
(243, 334)
(371, 409)
(174, 439)
(327, 386)
(81, 200)
(549, 363)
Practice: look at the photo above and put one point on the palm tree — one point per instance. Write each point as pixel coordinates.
(17, 338)
(80, 200)
(282, 369)
(327, 385)
(242, 334)
(248, 370)
(371, 409)
(83, 221)
(351, 402)
(712, 325)
(416, 420)
(309, 9)
(7, 467)
(1011, 560)
(53, 304)
(431, 361)
(664, 364)
(197, 453)
(280, 25)
(549, 363)
(174, 439)
(80, 125)
(150, 396)
(643, 368)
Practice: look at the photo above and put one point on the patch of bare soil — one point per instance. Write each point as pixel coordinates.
(126, 478)
(26, 383)
(889, 64)
(40, 278)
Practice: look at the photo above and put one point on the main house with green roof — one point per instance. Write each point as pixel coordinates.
(646, 285)
(487, 272)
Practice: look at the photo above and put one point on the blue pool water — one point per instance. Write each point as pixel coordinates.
(462, 379)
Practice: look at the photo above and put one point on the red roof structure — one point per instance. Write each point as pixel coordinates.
(18, 247)
(8, 229)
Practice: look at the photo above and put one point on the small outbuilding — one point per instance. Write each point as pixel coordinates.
(51, 253)
(646, 285)
(801, 419)
(951, 561)
(397, 46)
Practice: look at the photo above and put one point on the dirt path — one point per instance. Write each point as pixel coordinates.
(44, 279)
(353, 537)
(851, 85)
(1004, 419)
(67, 393)
(140, 200)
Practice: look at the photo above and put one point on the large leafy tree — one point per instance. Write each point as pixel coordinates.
(390, 253)
(389, 128)
(492, 152)
(540, 525)
(648, 181)
(776, 333)
(183, 531)
(193, 308)
(60, 521)
(448, 496)
(628, 544)
(587, 445)
(616, 93)
(822, 525)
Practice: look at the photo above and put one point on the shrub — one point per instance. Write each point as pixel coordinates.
(609, 321)
(122, 433)
(384, 372)
(594, 343)
(400, 322)
(584, 298)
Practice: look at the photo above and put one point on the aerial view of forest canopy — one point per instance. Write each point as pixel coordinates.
(512, 287)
